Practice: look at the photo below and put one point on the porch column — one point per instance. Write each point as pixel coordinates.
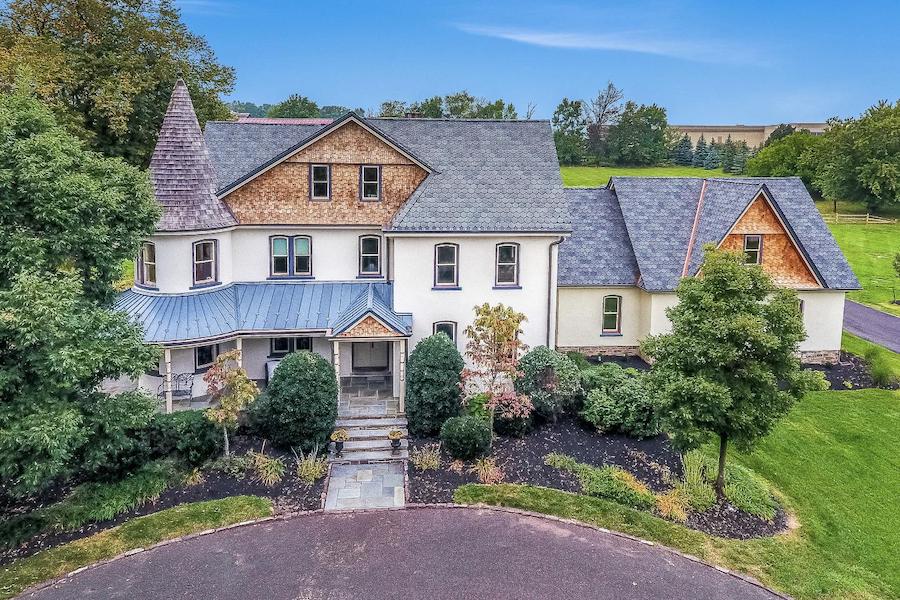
(402, 346)
(336, 360)
(238, 345)
(168, 379)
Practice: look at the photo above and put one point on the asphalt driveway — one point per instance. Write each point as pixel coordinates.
(431, 553)
(873, 325)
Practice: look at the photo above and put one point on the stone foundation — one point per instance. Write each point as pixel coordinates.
(601, 350)
(820, 357)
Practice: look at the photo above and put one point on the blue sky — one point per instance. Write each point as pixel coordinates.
(705, 62)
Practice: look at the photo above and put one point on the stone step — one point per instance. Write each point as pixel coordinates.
(371, 422)
(370, 455)
(373, 433)
(372, 444)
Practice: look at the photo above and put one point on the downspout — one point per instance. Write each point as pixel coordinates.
(551, 305)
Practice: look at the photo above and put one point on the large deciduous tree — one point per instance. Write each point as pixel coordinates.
(859, 159)
(729, 367)
(68, 218)
(791, 155)
(569, 131)
(107, 67)
(296, 107)
(639, 138)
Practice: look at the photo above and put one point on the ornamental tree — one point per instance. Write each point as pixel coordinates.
(230, 390)
(493, 348)
(729, 367)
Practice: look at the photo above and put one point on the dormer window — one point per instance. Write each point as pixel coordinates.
(753, 249)
(320, 182)
(370, 182)
(146, 272)
(205, 271)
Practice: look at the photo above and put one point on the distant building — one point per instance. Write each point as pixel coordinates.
(754, 135)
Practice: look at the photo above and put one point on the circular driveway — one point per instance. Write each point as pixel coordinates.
(415, 553)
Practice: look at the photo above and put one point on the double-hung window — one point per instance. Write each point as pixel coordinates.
(507, 271)
(612, 314)
(147, 265)
(370, 255)
(370, 182)
(320, 182)
(290, 255)
(446, 268)
(446, 327)
(205, 262)
(753, 249)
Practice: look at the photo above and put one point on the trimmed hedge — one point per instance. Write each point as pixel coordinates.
(432, 384)
(466, 437)
(187, 435)
(299, 407)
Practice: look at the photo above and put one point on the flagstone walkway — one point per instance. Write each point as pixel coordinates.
(372, 485)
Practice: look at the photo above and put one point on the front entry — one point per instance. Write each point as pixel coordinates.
(371, 357)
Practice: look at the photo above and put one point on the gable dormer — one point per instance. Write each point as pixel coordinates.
(347, 173)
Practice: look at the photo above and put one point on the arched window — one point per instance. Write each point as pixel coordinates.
(445, 327)
(280, 259)
(146, 271)
(612, 314)
(446, 265)
(506, 272)
(302, 255)
(370, 255)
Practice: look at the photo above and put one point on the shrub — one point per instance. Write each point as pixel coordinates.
(749, 492)
(233, 465)
(512, 413)
(550, 379)
(432, 384)
(187, 435)
(605, 376)
(426, 458)
(466, 437)
(880, 368)
(579, 360)
(268, 470)
(698, 492)
(628, 407)
(475, 406)
(673, 505)
(609, 482)
(299, 407)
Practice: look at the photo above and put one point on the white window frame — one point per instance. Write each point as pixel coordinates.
(362, 255)
(143, 263)
(757, 250)
(286, 256)
(515, 265)
(215, 354)
(604, 313)
(275, 352)
(294, 255)
(454, 264)
(313, 181)
(212, 262)
(363, 182)
(452, 324)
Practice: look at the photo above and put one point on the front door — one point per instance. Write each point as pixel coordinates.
(371, 357)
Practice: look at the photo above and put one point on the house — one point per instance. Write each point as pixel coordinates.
(358, 237)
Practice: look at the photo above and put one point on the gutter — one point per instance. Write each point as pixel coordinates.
(550, 305)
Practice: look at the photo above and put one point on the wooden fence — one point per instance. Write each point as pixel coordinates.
(867, 219)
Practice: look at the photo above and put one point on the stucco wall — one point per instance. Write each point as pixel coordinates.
(823, 317)
(175, 260)
(414, 280)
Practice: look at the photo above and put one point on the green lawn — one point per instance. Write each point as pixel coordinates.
(138, 533)
(870, 249)
(834, 458)
(599, 176)
(884, 363)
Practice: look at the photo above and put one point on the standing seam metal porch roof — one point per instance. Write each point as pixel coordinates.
(255, 307)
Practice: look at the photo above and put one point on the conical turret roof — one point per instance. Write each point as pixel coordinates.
(181, 172)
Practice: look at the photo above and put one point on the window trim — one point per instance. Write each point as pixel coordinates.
(604, 313)
(312, 181)
(506, 284)
(452, 324)
(292, 250)
(198, 368)
(360, 254)
(287, 257)
(293, 344)
(362, 181)
(455, 283)
(215, 263)
(141, 271)
(758, 250)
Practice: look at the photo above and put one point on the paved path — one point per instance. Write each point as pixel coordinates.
(369, 485)
(873, 325)
(429, 553)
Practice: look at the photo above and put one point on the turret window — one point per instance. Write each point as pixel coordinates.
(146, 271)
(205, 269)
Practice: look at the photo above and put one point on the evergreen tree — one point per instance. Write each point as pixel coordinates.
(713, 158)
(727, 152)
(700, 153)
(739, 160)
(683, 153)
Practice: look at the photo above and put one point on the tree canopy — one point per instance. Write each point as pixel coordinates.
(294, 106)
(779, 133)
(569, 130)
(729, 367)
(639, 138)
(790, 155)
(107, 67)
(461, 105)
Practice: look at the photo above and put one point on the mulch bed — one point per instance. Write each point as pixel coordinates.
(652, 460)
(290, 495)
(851, 373)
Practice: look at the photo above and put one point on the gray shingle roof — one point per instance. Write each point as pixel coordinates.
(599, 251)
(256, 307)
(657, 219)
(181, 173)
(486, 175)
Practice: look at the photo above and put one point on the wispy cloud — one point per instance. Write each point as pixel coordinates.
(206, 7)
(642, 42)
